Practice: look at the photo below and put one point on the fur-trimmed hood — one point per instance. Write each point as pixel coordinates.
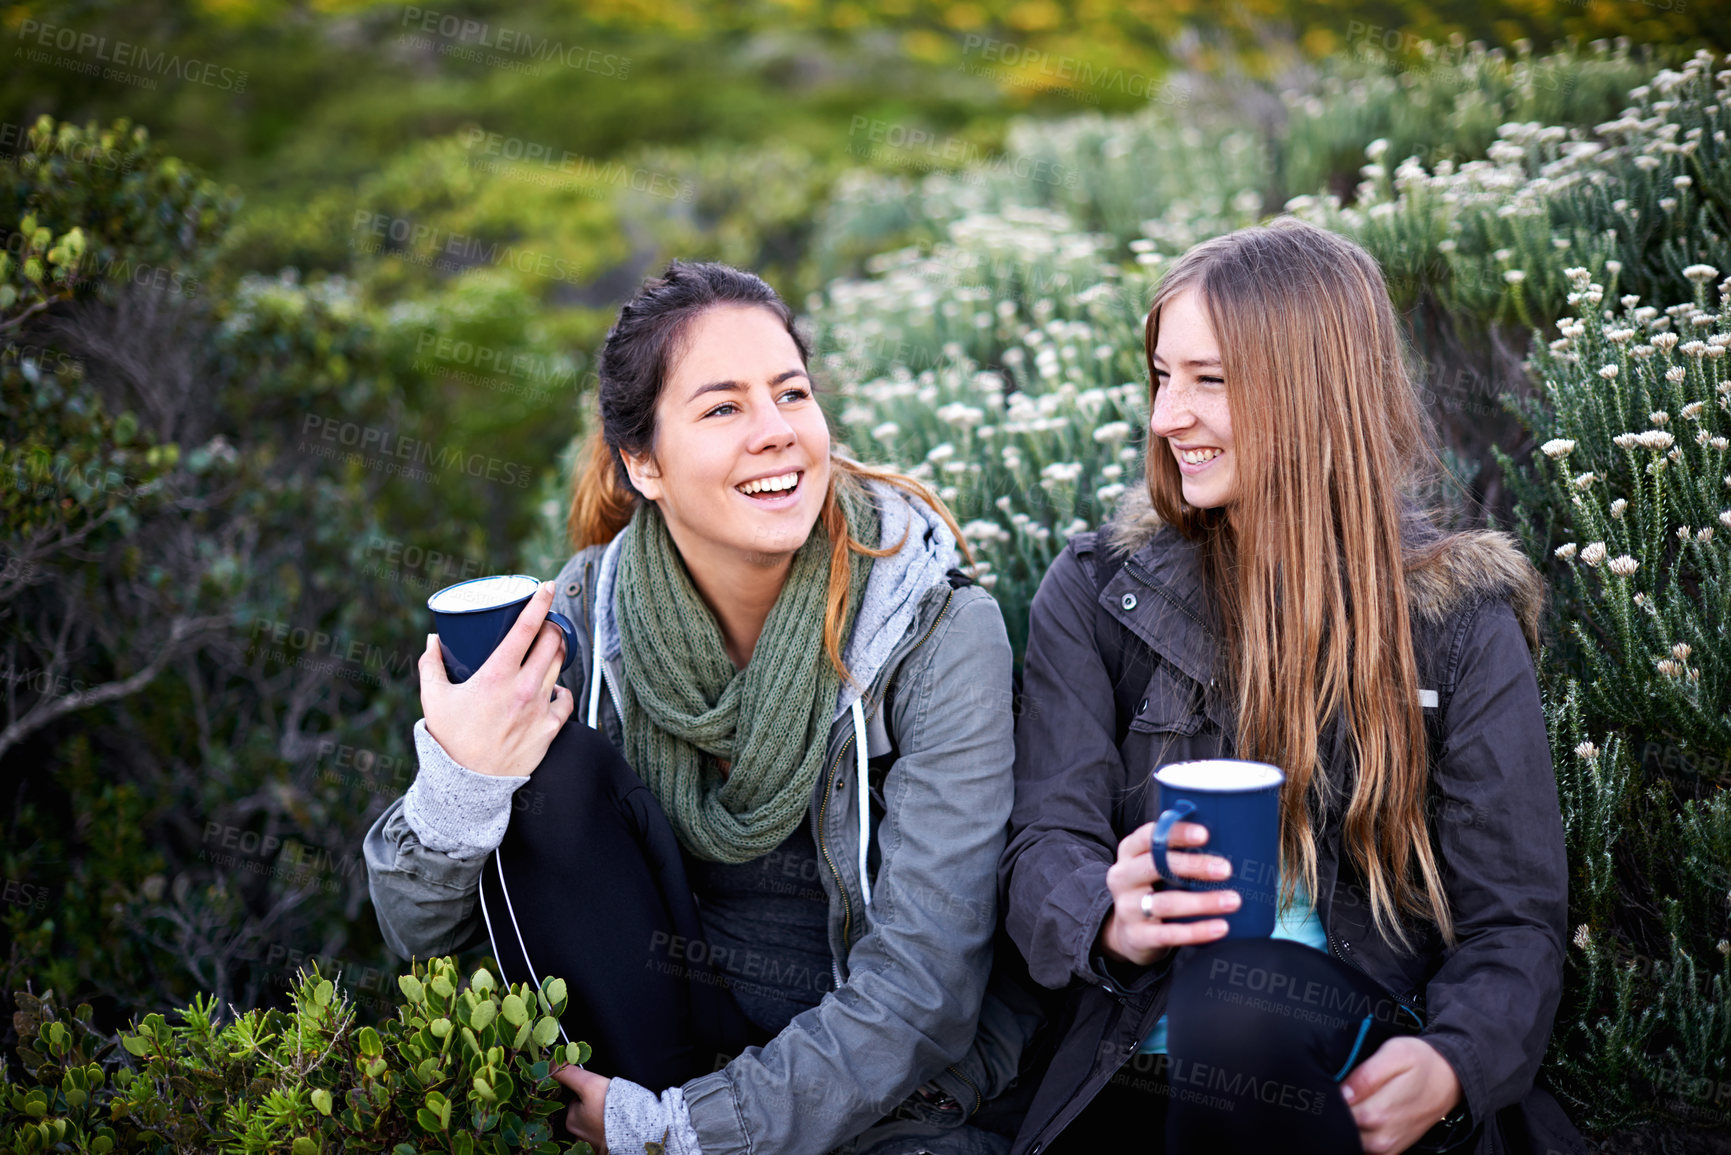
(1444, 571)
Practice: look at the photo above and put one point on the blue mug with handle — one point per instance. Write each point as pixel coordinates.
(1239, 803)
(473, 617)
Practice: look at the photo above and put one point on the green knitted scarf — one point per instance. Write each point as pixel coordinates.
(683, 698)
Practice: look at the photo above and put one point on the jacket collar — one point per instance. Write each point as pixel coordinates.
(1444, 572)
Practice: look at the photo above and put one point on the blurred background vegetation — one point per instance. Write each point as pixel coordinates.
(299, 302)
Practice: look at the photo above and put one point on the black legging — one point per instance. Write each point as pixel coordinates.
(1259, 1033)
(599, 896)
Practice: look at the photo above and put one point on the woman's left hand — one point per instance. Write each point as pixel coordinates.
(586, 1117)
(1399, 1093)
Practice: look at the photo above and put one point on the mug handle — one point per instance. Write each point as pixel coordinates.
(1157, 844)
(570, 632)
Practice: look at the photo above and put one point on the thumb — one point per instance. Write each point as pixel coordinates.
(432, 664)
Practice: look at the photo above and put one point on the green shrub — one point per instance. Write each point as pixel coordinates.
(1628, 509)
(461, 1068)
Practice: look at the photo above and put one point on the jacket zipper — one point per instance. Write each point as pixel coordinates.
(1401, 1002)
(1147, 579)
(829, 783)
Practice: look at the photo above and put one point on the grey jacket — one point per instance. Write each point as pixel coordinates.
(911, 973)
(1086, 742)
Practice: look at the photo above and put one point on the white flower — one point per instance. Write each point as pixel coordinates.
(1609, 372)
(1060, 472)
(1719, 443)
(1692, 411)
(1655, 439)
(1376, 149)
(1557, 447)
(1108, 495)
(942, 451)
(1618, 506)
(886, 431)
(1700, 274)
(1503, 254)
(1725, 518)
(1681, 651)
(1589, 751)
(1585, 480)
(1659, 417)
(1112, 432)
(1675, 374)
(1704, 534)
(1594, 553)
(1626, 440)
(1622, 565)
(1566, 552)
(1514, 276)
(1668, 667)
(1583, 937)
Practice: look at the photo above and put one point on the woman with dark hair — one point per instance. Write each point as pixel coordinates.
(763, 855)
(1277, 594)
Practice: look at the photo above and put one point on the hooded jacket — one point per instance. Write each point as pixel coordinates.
(932, 665)
(1085, 748)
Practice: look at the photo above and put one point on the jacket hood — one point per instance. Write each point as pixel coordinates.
(892, 594)
(1444, 571)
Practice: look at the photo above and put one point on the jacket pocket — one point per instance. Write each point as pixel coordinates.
(1171, 703)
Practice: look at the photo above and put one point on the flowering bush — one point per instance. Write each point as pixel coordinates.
(461, 1069)
(1628, 504)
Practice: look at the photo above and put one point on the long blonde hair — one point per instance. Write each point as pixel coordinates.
(1330, 443)
(631, 369)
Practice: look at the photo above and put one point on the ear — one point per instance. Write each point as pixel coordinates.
(644, 473)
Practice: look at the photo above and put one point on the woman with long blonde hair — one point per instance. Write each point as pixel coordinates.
(768, 797)
(1277, 593)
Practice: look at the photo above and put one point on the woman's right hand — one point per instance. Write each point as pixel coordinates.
(501, 720)
(1131, 936)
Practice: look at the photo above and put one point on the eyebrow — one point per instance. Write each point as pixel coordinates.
(1194, 362)
(739, 386)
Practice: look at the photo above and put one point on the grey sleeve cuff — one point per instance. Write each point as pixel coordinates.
(634, 1118)
(454, 809)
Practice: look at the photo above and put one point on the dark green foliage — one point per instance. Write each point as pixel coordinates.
(460, 1068)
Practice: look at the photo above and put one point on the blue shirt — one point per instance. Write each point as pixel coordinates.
(1297, 922)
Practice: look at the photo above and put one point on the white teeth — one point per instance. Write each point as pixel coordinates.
(1198, 456)
(770, 484)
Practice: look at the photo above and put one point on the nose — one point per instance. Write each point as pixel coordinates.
(1171, 412)
(771, 430)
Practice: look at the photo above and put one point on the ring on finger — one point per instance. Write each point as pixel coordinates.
(1148, 905)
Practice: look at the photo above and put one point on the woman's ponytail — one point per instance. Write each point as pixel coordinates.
(601, 504)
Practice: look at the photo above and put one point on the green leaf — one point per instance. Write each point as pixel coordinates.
(442, 987)
(440, 1027)
(305, 1146)
(322, 1100)
(368, 1041)
(514, 1011)
(134, 1045)
(521, 1038)
(482, 981)
(555, 994)
(483, 1013)
(412, 989)
(546, 1030)
(323, 992)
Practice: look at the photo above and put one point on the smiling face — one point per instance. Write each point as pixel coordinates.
(1190, 409)
(740, 462)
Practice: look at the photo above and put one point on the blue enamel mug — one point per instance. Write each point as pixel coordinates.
(1239, 803)
(473, 617)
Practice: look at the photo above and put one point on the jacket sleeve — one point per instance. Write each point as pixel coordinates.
(425, 852)
(1505, 872)
(912, 995)
(1061, 835)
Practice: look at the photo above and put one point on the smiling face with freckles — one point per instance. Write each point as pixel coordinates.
(740, 462)
(1190, 411)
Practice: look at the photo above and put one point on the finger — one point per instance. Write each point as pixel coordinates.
(1207, 867)
(516, 643)
(1188, 834)
(546, 658)
(1144, 934)
(567, 1076)
(1191, 903)
(1373, 1074)
(564, 705)
(1135, 844)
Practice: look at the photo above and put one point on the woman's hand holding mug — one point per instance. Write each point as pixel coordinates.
(1136, 929)
(501, 721)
